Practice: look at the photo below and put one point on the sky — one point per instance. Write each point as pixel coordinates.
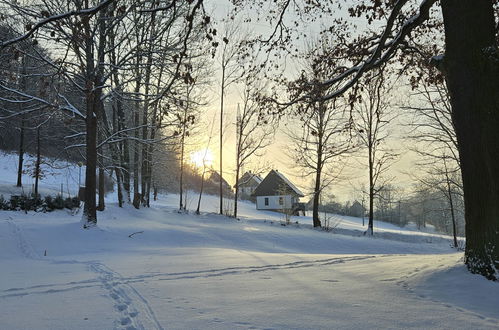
(276, 157)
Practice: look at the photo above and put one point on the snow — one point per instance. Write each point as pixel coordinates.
(58, 173)
(185, 271)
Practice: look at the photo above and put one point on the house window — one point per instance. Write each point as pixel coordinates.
(266, 201)
(281, 201)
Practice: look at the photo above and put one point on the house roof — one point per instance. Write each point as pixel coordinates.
(249, 179)
(275, 183)
(356, 204)
(215, 177)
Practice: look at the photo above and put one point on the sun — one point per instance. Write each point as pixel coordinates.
(202, 156)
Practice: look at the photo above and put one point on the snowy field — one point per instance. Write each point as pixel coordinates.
(158, 269)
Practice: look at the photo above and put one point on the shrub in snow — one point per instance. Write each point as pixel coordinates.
(71, 203)
(33, 203)
(4, 204)
(57, 203)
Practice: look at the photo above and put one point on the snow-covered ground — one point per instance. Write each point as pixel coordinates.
(158, 269)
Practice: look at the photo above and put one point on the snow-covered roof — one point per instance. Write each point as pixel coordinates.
(257, 178)
(289, 183)
(247, 178)
(274, 184)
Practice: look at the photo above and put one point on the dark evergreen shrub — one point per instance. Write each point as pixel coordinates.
(71, 203)
(4, 204)
(32, 203)
(15, 202)
(58, 203)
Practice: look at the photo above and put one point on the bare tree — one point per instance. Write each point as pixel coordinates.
(253, 134)
(325, 136)
(434, 135)
(373, 117)
(231, 39)
(205, 165)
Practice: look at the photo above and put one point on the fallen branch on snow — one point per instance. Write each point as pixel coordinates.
(137, 232)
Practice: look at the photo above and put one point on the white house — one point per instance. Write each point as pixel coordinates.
(277, 193)
(247, 184)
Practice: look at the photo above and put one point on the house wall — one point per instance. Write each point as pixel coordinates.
(247, 190)
(274, 202)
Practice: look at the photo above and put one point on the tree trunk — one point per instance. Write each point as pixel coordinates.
(236, 190)
(318, 171)
(201, 190)
(181, 181)
(122, 155)
(22, 86)
(317, 194)
(119, 185)
(370, 224)
(451, 203)
(38, 160)
(101, 206)
(21, 154)
(471, 71)
(136, 153)
(221, 137)
(89, 209)
(145, 115)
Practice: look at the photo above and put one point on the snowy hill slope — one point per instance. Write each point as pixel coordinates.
(56, 174)
(345, 225)
(159, 269)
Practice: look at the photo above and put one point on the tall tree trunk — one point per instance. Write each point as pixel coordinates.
(451, 203)
(119, 124)
(102, 187)
(452, 213)
(318, 171)
(116, 155)
(123, 156)
(89, 209)
(92, 94)
(201, 190)
(21, 153)
(125, 164)
(22, 87)
(38, 160)
(136, 149)
(94, 109)
(182, 150)
(222, 94)
(236, 190)
(317, 194)
(370, 223)
(471, 71)
(145, 114)
(119, 185)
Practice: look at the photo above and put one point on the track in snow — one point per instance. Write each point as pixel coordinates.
(133, 309)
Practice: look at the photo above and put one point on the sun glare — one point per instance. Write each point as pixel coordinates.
(202, 156)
